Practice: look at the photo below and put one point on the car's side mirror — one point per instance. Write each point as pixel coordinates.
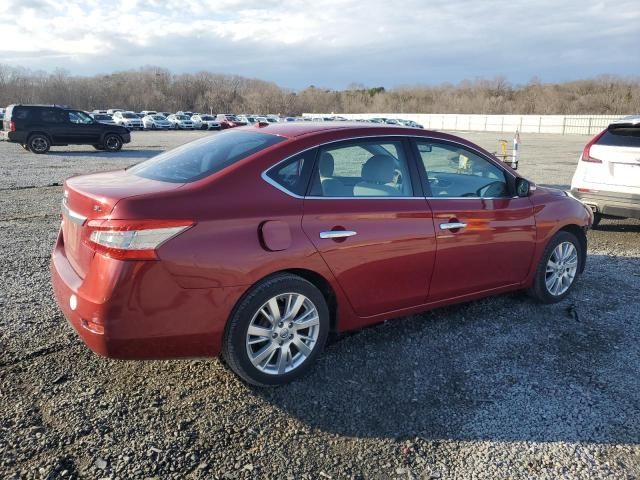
(523, 187)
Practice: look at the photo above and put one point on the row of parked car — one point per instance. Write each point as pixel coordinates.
(152, 120)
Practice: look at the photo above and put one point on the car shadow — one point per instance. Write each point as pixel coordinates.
(623, 226)
(124, 153)
(504, 368)
(558, 186)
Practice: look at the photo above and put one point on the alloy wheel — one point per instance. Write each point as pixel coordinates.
(39, 144)
(282, 333)
(561, 268)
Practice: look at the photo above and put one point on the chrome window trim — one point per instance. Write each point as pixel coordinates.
(275, 184)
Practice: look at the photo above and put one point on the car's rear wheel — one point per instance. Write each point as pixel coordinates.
(112, 143)
(39, 143)
(153, 126)
(276, 331)
(98, 147)
(558, 269)
(597, 217)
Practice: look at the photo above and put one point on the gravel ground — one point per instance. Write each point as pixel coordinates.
(498, 388)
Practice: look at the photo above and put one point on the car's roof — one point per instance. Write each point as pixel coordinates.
(298, 129)
(631, 120)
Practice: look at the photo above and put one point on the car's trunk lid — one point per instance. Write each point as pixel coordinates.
(90, 197)
(619, 151)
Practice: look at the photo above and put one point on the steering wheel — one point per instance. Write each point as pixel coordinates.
(493, 189)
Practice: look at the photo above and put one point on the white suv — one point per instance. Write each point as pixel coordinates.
(607, 177)
(128, 119)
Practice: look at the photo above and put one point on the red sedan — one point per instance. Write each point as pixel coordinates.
(257, 242)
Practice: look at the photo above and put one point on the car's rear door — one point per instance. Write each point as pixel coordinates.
(371, 223)
(485, 235)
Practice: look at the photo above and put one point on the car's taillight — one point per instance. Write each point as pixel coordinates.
(132, 239)
(586, 153)
(12, 126)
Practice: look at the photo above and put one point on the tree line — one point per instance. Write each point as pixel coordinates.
(153, 88)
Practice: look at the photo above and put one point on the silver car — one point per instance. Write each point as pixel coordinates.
(156, 122)
(182, 122)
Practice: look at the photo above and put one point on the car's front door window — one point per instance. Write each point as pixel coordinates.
(80, 118)
(455, 171)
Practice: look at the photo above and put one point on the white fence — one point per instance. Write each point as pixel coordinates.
(560, 124)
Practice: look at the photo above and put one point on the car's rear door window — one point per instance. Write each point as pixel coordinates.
(204, 157)
(362, 168)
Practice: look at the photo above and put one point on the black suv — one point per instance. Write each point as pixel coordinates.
(38, 127)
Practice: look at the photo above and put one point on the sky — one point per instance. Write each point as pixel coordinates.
(328, 43)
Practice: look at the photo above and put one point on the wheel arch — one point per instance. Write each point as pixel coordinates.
(580, 234)
(317, 280)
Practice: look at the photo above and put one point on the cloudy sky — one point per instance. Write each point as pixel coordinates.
(329, 43)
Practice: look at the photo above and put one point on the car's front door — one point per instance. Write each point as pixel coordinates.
(485, 234)
(83, 129)
(371, 224)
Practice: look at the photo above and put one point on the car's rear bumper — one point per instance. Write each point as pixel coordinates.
(135, 310)
(7, 136)
(610, 203)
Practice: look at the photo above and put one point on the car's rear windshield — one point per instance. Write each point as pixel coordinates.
(621, 137)
(129, 115)
(204, 157)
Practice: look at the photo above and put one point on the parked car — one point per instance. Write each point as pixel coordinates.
(607, 177)
(206, 249)
(227, 120)
(205, 122)
(39, 127)
(165, 114)
(273, 118)
(128, 119)
(148, 112)
(182, 122)
(100, 111)
(103, 118)
(111, 111)
(156, 122)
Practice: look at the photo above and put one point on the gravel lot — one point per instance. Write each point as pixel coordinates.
(498, 388)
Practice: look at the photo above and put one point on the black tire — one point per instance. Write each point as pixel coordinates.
(234, 348)
(39, 143)
(98, 147)
(153, 126)
(25, 146)
(112, 142)
(539, 289)
(596, 219)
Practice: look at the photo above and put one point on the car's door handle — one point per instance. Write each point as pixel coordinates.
(452, 225)
(338, 234)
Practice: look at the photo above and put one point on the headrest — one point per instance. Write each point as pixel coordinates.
(326, 165)
(379, 169)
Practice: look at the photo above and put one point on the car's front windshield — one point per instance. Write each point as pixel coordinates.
(129, 115)
(158, 117)
(182, 117)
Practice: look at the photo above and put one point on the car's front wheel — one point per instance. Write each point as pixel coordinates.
(39, 143)
(558, 269)
(276, 331)
(112, 143)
